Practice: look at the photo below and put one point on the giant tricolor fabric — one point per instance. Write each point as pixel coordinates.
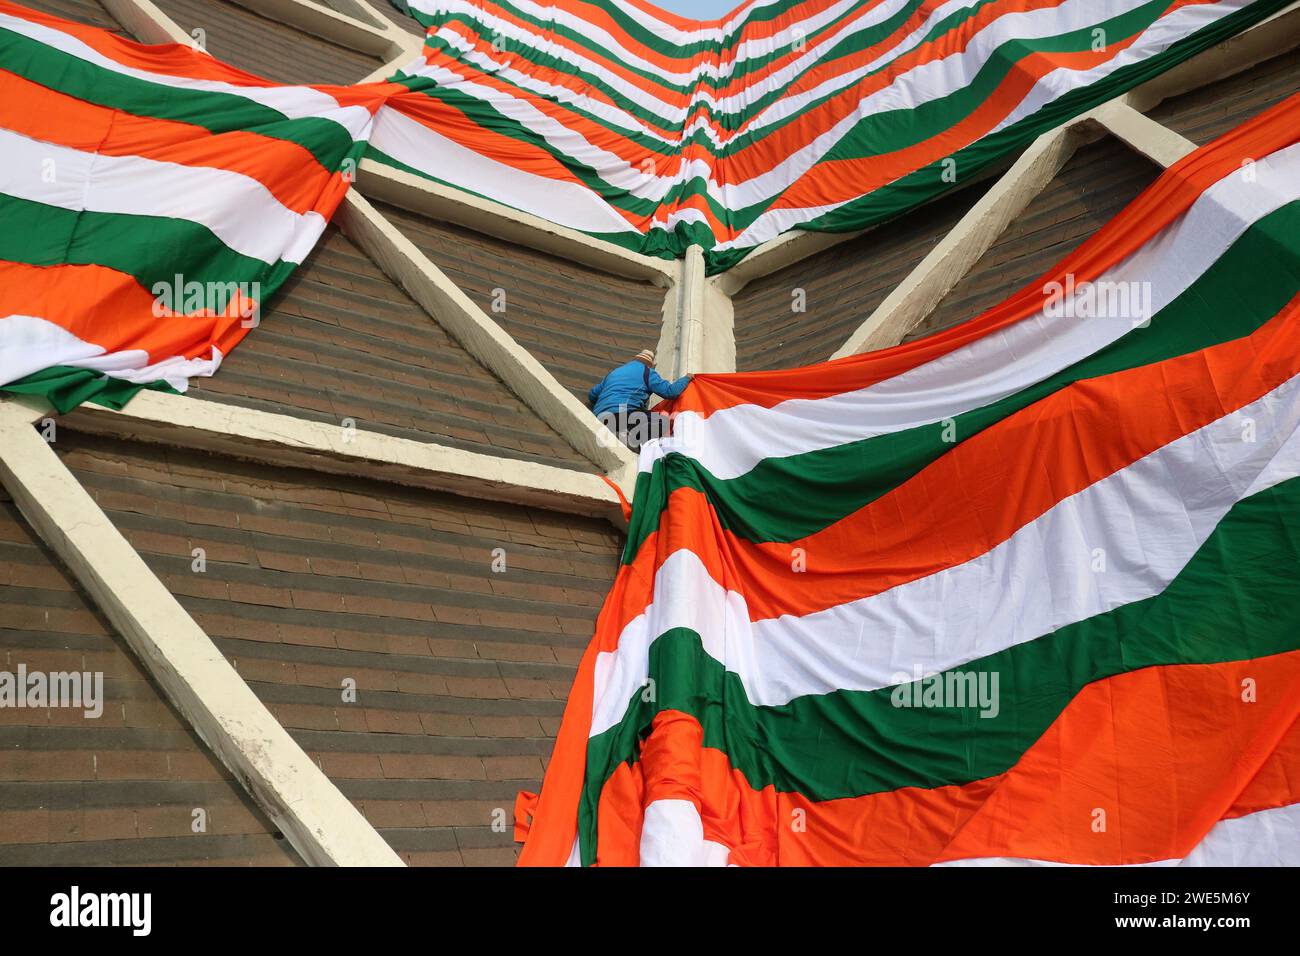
(656, 132)
(151, 198)
(1025, 590)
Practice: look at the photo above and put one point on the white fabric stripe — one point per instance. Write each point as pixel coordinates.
(919, 85)
(913, 88)
(238, 209)
(29, 344)
(734, 56)
(671, 111)
(420, 147)
(294, 102)
(614, 116)
(1183, 22)
(673, 835)
(1148, 520)
(1264, 838)
(733, 440)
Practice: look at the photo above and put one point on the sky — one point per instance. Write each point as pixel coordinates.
(698, 9)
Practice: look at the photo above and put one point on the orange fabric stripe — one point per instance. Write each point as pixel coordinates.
(837, 181)
(287, 170)
(112, 310)
(1170, 196)
(454, 125)
(917, 529)
(178, 59)
(1163, 753)
(172, 59)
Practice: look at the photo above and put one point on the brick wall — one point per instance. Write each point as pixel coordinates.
(389, 12)
(1092, 187)
(1207, 113)
(461, 672)
(117, 789)
(843, 286)
(266, 47)
(340, 340)
(89, 12)
(578, 322)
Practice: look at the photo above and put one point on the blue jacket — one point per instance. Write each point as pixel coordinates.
(630, 385)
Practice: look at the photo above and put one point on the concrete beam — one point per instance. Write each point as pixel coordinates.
(285, 441)
(1267, 39)
(146, 22)
(408, 52)
(319, 20)
(705, 339)
(409, 191)
(483, 338)
(667, 351)
(1141, 133)
(934, 277)
(360, 12)
(320, 823)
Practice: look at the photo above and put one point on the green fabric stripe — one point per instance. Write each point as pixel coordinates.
(325, 139)
(65, 387)
(783, 499)
(633, 242)
(927, 182)
(891, 130)
(687, 94)
(877, 134)
(150, 248)
(636, 30)
(1238, 598)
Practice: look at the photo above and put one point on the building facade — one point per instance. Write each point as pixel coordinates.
(337, 592)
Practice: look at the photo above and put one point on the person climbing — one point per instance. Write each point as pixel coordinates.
(619, 400)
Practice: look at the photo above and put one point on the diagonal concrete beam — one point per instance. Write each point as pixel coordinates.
(320, 823)
(934, 276)
(483, 338)
(319, 20)
(400, 188)
(1144, 135)
(146, 22)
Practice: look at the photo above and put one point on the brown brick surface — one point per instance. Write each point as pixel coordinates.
(1205, 114)
(341, 343)
(90, 12)
(1093, 186)
(577, 321)
(259, 45)
(120, 788)
(316, 584)
(841, 287)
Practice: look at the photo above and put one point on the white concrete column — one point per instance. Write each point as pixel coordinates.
(704, 339)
